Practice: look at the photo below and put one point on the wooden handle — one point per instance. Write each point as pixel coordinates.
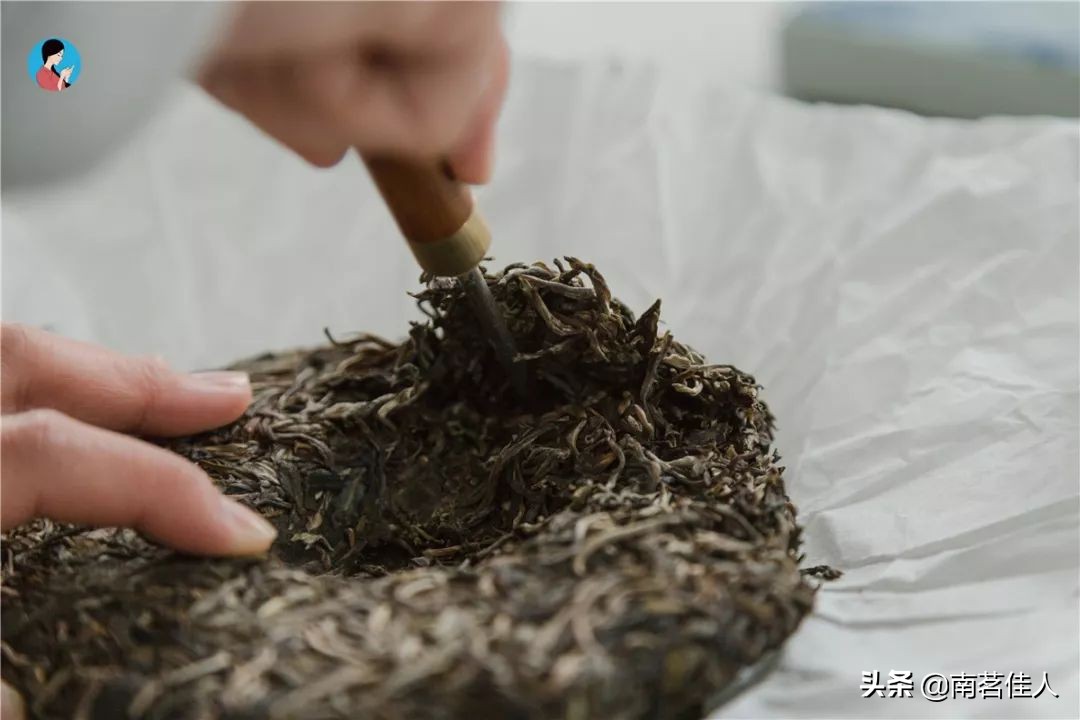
(435, 213)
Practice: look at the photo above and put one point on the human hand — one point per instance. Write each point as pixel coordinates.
(423, 79)
(66, 72)
(65, 405)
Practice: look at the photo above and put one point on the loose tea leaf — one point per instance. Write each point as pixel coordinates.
(618, 546)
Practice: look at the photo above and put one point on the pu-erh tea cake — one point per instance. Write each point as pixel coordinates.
(619, 544)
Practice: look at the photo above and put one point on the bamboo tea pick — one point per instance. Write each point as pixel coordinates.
(449, 238)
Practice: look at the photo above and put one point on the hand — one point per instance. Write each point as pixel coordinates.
(425, 79)
(66, 72)
(65, 405)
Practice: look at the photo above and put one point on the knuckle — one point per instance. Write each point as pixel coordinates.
(14, 340)
(35, 431)
(154, 368)
(149, 377)
(147, 373)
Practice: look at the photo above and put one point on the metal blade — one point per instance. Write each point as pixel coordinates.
(495, 328)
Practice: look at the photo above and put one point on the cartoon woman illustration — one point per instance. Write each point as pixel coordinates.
(48, 77)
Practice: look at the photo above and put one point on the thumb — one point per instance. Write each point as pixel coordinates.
(472, 159)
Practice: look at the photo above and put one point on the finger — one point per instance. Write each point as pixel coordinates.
(369, 103)
(132, 394)
(472, 160)
(11, 703)
(66, 470)
(416, 90)
(260, 30)
(267, 97)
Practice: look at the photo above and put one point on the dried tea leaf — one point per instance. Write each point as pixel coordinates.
(620, 546)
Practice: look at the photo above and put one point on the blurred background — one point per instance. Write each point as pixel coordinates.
(963, 59)
(958, 59)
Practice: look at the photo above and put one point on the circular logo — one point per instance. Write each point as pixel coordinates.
(54, 64)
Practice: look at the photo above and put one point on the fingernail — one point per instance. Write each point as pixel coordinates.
(220, 380)
(11, 704)
(252, 534)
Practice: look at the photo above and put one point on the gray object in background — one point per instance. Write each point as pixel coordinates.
(132, 51)
(966, 59)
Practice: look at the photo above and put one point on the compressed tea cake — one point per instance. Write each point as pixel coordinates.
(618, 546)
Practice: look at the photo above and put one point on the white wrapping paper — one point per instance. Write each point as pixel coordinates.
(905, 289)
